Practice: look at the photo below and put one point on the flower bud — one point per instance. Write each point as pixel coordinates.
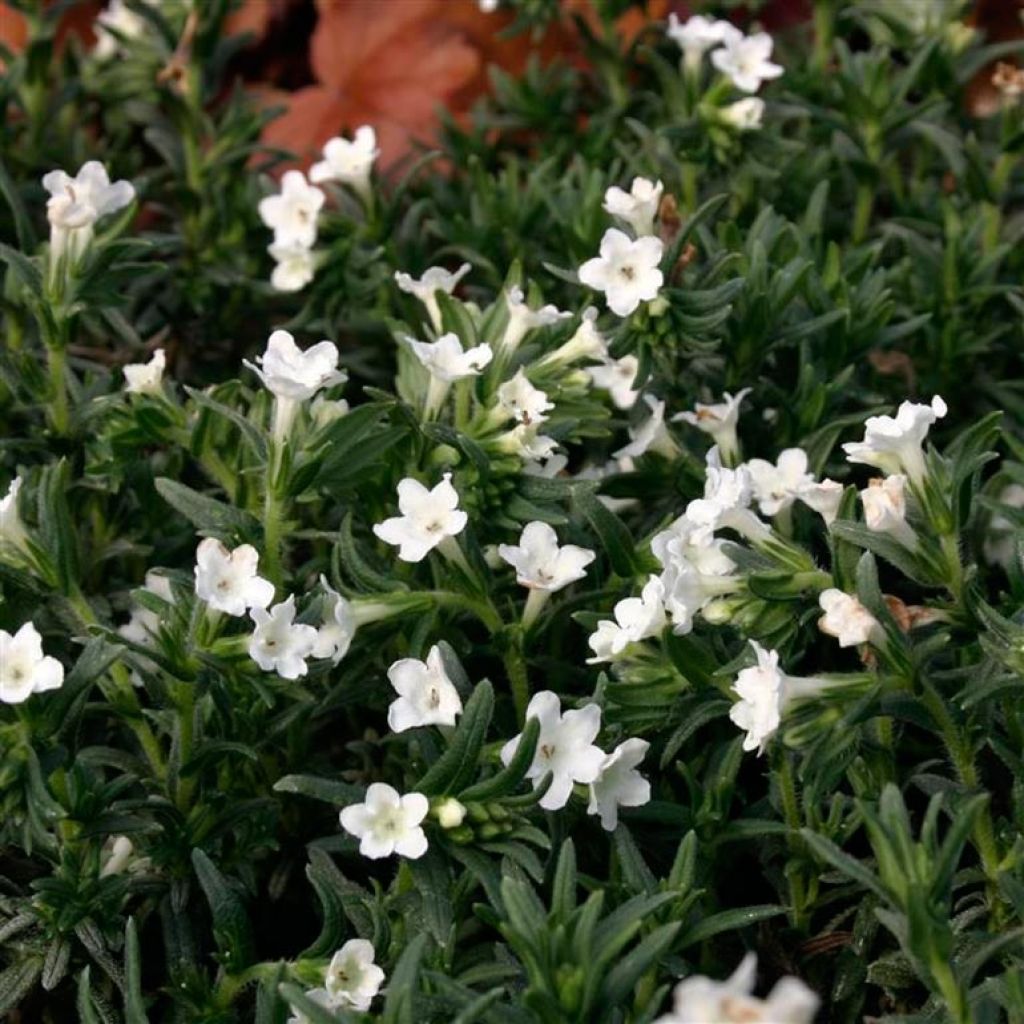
(449, 813)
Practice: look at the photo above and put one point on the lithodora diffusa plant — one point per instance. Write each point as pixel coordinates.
(579, 579)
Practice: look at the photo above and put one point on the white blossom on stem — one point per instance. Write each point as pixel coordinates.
(348, 161)
(13, 535)
(146, 378)
(295, 266)
(353, 979)
(227, 581)
(777, 485)
(627, 270)
(635, 619)
(426, 696)
(540, 563)
(292, 213)
(847, 619)
(638, 207)
(427, 518)
(651, 435)
(617, 377)
(433, 280)
(24, 669)
(279, 643)
(521, 401)
(744, 115)
(522, 319)
(744, 60)
(386, 823)
(893, 444)
(334, 637)
(824, 498)
(697, 35)
(885, 509)
(719, 420)
(620, 784)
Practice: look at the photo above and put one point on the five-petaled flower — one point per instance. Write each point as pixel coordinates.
(520, 400)
(279, 643)
(718, 419)
(427, 518)
(885, 508)
(294, 265)
(777, 485)
(893, 443)
(540, 563)
(433, 280)
(636, 619)
(638, 207)
(426, 696)
(627, 270)
(339, 625)
(348, 161)
(620, 784)
(617, 377)
(745, 60)
(227, 580)
(292, 214)
(386, 823)
(146, 378)
(744, 115)
(847, 619)
(353, 979)
(24, 669)
(697, 35)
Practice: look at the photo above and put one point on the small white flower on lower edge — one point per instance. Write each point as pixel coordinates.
(745, 115)
(539, 562)
(434, 280)
(744, 60)
(620, 784)
(651, 435)
(227, 580)
(638, 207)
(447, 361)
(24, 669)
(352, 978)
(428, 517)
(824, 498)
(520, 400)
(627, 271)
(701, 1000)
(387, 823)
(893, 443)
(280, 644)
(718, 419)
(426, 696)
(885, 508)
(334, 637)
(12, 529)
(846, 619)
(293, 212)
(761, 689)
(295, 375)
(565, 748)
(295, 266)
(146, 378)
(777, 486)
(522, 319)
(617, 377)
(348, 161)
(636, 619)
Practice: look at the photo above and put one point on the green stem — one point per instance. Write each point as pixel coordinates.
(794, 821)
(57, 361)
(515, 666)
(862, 212)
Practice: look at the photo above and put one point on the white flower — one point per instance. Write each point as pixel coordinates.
(719, 420)
(587, 342)
(1000, 542)
(295, 266)
(522, 319)
(387, 823)
(428, 517)
(75, 204)
(520, 400)
(626, 271)
(620, 784)
(349, 162)
(12, 529)
(446, 360)
(687, 543)
(540, 563)
(824, 498)
(426, 696)
(339, 627)
(524, 441)
(688, 591)
(651, 435)
(118, 856)
(636, 619)
(638, 207)
(744, 60)
(885, 508)
(727, 495)
(280, 644)
(777, 486)
(548, 467)
(291, 374)
(434, 280)
(762, 694)
(893, 444)
(143, 623)
(846, 619)
(617, 377)
(292, 214)
(565, 748)
(488, 6)
(324, 411)
(352, 978)
(700, 1000)
(115, 24)
(745, 115)
(227, 580)
(697, 35)
(24, 669)
(146, 378)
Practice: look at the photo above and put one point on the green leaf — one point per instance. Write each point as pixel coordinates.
(399, 1006)
(457, 765)
(339, 896)
(232, 930)
(509, 778)
(727, 921)
(563, 887)
(331, 791)
(849, 866)
(627, 972)
(206, 514)
(253, 436)
(23, 270)
(611, 531)
(134, 1004)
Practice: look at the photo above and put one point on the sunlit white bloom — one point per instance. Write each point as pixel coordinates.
(334, 637)
(520, 400)
(116, 24)
(427, 518)
(719, 420)
(745, 60)
(434, 280)
(295, 266)
(348, 161)
(684, 542)
(697, 35)
(292, 213)
(146, 378)
(280, 644)
(426, 696)
(636, 619)
(587, 342)
(446, 360)
(620, 784)
(386, 823)
(522, 319)
(727, 495)
(295, 375)
(700, 1000)
(12, 530)
(627, 270)
(525, 441)
(143, 624)
(1000, 542)
(227, 580)
(745, 115)
(846, 619)
(761, 689)
(638, 207)
(885, 508)
(617, 377)
(565, 748)
(776, 486)
(540, 563)
(24, 669)
(893, 443)
(824, 497)
(118, 857)
(688, 591)
(353, 979)
(651, 435)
